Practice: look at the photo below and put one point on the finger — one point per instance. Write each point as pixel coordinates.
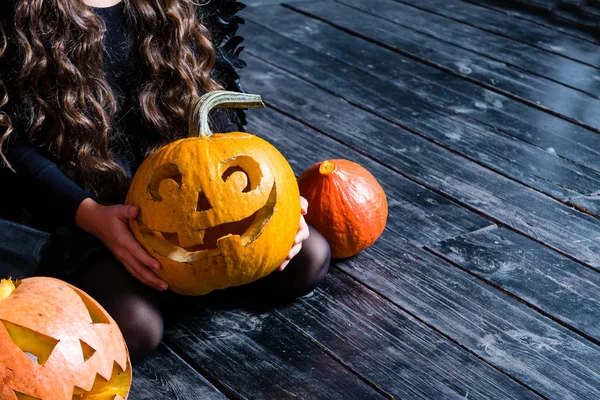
(146, 276)
(283, 265)
(301, 236)
(294, 251)
(303, 233)
(125, 212)
(128, 241)
(303, 205)
(141, 254)
(302, 224)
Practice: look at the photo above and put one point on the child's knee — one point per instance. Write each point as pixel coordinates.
(310, 265)
(141, 323)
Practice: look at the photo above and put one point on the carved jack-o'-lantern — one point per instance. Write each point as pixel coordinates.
(57, 343)
(216, 210)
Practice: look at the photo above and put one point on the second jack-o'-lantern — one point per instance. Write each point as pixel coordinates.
(216, 210)
(57, 343)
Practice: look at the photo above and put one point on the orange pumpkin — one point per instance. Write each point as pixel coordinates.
(346, 204)
(57, 343)
(216, 210)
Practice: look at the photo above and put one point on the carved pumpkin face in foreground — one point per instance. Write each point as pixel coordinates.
(57, 343)
(216, 211)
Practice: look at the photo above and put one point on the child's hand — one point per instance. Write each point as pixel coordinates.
(301, 236)
(109, 224)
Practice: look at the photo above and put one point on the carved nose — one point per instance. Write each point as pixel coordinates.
(203, 204)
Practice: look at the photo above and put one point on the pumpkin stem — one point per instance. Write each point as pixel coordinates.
(198, 118)
(326, 167)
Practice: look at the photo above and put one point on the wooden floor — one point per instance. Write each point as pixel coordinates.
(483, 126)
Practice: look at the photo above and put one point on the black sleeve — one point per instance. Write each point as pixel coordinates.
(52, 196)
(45, 189)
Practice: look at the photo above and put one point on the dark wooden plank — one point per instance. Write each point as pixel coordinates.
(415, 212)
(254, 355)
(546, 356)
(390, 348)
(478, 188)
(164, 375)
(499, 23)
(557, 286)
(527, 124)
(534, 90)
(514, 10)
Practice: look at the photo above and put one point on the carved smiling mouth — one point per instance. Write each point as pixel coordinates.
(247, 230)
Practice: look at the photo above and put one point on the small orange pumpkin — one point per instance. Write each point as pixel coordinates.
(57, 343)
(216, 210)
(346, 205)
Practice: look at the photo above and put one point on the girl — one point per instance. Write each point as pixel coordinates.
(93, 87)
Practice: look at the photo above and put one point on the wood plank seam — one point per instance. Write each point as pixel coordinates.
(516, 297)
(434, 328)
(206, 374)
(325, 350)
(507, 37)
(446, 70)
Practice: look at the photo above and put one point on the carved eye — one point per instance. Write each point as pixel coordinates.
(241, 178)
(243, 171)
(168, 172)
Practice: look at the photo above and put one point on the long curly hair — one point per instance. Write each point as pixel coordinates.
(63, 87)
(5, 122)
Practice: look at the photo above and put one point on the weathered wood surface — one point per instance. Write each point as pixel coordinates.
(418, 86)
(497, 76)
(402, 356)
(559, 287)
(415, 212)
(537, 351)
(254, 355)
(497, 23)
(515, 54)
(164, 375)
(546, 19)
(503, 200)
(312, 322)
(525, 123)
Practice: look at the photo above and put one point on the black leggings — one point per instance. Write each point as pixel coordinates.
(137, 308)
